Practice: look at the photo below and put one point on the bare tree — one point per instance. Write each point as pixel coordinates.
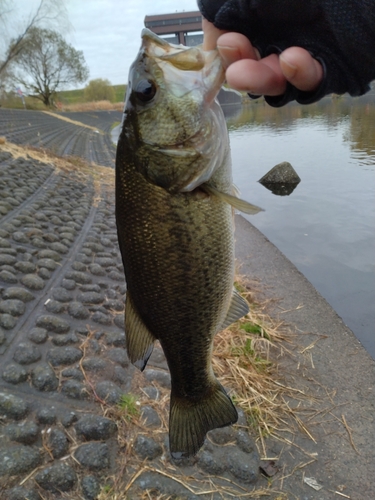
(46, 63)
(51, 13)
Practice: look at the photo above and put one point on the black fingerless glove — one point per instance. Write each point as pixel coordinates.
(340, 34)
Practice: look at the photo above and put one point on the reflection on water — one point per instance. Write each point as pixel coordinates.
(326, 227)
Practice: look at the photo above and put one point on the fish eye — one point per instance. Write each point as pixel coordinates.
(145, 90)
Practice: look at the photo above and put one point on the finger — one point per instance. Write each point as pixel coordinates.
(211, 34)
(257, 77)
(301, 69)
(234, 46)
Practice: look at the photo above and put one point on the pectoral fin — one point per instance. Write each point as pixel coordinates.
(238, 308)
(241, 205)
(139, 339)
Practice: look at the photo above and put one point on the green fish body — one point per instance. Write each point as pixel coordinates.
(176, 229)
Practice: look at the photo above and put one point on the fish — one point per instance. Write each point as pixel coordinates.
(175, 225)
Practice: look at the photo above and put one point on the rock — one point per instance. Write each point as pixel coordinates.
(96, 270)
(46, 415)
(147, 448)
(223, 435)
(25, 433)
(61, 294)
(13, 406)
(211, 463)
(56, 478)
(74, 389)
(19, 293)
(38, 335)
(61, 340)
(161, 377)
(68, 284)
(14, 374)
(90, 487)
(118, 355)
(78, 277)
(14, 307)
(33, 282)
(58, 443)
(63, 355)
(59, 247)
(101, 318)
(243, 466)
(8, 276)
(94, 427)
(282, 179)
(150, 417)
(49, 264)
(26, 353)
(53, 323)
(7, 321)
(18, 459)
(95, 364)
(44, 379)
(244, 442)
(78, 311)
(109, 392)
(21, 493)
(94, 456)
(25, 267)
(49, 254)
(91, 298)
(54, 306)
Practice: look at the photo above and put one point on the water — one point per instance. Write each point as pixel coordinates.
(326, 227)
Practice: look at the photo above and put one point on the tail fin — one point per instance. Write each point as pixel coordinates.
(189, 421)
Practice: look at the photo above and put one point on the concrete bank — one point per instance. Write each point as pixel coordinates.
(329, 365)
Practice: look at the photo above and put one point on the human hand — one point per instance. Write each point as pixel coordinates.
(245, 70)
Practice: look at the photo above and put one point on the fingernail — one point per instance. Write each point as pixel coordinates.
(228, 55)
(289, 69)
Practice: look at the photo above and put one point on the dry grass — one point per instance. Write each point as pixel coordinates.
(94, 106)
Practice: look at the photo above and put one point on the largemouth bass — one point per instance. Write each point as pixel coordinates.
(175, 227)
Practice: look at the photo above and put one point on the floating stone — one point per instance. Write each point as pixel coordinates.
(64, 355)
(33, 281)
(94, 456)
(38, 335)
(59, 477)
(44, 379)
(53, 323)
(14, 374)
(78, 311)
(19, 293)
(18, 459)
(25, 433)
(26, 353)
(282, 179)
(94, 427)
(147, 448)
(14, 307)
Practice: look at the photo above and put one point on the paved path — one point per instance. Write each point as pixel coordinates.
(63, 363)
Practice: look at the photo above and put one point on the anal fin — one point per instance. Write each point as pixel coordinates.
(139, 339)
(238, 308)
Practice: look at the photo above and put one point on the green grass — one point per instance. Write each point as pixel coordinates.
(77, 96)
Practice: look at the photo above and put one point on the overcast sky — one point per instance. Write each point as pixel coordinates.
(108, 31)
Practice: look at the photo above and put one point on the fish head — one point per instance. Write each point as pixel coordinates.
(172, 122)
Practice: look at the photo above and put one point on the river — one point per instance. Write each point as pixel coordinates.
(326, 226)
